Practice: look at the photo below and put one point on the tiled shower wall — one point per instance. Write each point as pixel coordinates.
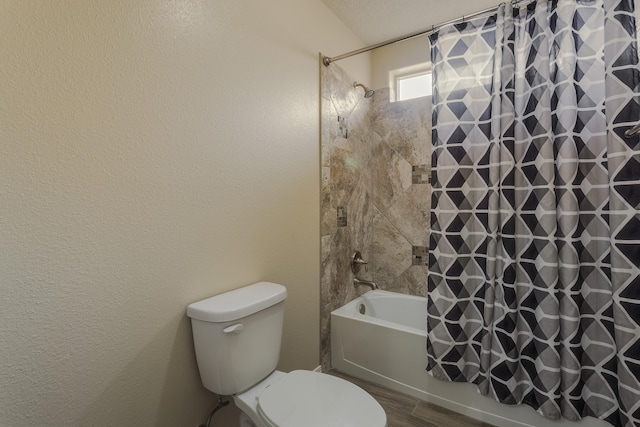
(375, 192)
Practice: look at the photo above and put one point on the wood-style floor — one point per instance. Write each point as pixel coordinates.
(407, 411)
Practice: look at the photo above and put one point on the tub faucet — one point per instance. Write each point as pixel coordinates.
(357, 282)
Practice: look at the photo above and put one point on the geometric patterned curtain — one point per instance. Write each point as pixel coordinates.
(534, 269)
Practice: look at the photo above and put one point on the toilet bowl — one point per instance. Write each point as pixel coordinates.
(237, 337)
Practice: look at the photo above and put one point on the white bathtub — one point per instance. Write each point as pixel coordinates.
(387, 345)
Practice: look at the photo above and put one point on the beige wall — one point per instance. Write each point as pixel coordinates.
(398, 56)
(152, 153)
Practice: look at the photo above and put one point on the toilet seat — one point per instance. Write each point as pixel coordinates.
(312, 399)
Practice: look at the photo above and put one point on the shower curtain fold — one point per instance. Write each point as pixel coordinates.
(534, 279)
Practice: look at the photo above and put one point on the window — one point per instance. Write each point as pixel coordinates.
(413, 81)
(413, 86)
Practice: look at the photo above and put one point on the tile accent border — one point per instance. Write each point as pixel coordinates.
(343, 127)
(421, 174)
(419, 255)
(342, 216)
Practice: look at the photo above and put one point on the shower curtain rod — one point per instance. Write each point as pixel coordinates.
(328, 60)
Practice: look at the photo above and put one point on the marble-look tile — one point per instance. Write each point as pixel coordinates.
(343, 127)
(370, 174)
(387, 116)
(405, 126)
(345, 168)
(326, 266)
(421, 174)
(341, 249)
(341, 216)
(325, 336)
(420, 255)
(332, 76)
(411, 214)
(327, 210)
(326, 78)
(328, 130)
(390, 253)
(326, 277)
(412, 281)
(360, 133)
(376, 213)
(360, 210)
(379, 112)
(417, 146)
(343, 95)
(391, 176)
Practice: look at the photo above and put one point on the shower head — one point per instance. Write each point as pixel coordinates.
(368, 93)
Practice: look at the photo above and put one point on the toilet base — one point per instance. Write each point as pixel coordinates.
(245, 421)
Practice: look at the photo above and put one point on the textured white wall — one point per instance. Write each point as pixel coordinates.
(152, 153)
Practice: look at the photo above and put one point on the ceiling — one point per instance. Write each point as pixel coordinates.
(375, 21)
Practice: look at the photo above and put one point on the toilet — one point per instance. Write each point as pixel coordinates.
(237, 337)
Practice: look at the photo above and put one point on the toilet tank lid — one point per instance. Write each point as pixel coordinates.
(237, 303)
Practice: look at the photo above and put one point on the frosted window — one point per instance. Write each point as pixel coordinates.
(414, 86)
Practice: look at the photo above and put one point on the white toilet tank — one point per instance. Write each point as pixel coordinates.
(237, 336)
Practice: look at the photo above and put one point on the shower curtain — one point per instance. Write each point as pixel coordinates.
(534, 280)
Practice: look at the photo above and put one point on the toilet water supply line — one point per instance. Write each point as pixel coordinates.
(221, 404)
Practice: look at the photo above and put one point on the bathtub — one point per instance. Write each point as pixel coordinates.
(381, 337)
